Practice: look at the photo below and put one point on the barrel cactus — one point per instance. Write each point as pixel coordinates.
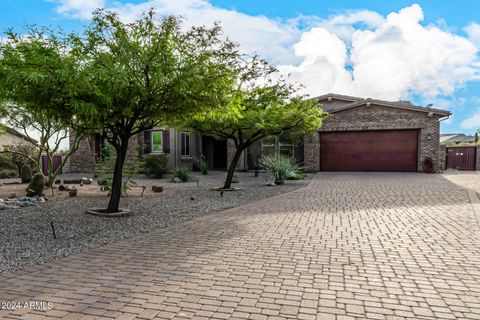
(26, 174)
(35, 188)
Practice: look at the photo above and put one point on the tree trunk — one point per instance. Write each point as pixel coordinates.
(233, 165)
(116, 192)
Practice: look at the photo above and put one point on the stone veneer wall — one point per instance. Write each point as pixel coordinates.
(376, 117)
(83, 160)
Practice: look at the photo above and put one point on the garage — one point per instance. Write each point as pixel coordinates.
(376, 150)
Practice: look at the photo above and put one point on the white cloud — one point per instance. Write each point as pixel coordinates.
(358, 52)
(399, 57)
(81, 9)
(471, 123)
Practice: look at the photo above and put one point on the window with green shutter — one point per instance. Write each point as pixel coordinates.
(157, 141)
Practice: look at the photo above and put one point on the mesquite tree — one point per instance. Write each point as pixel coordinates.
(145, 73)
(260, 104)
(40, 84)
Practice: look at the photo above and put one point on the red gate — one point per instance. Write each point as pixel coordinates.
(461, 158)
(57, 161)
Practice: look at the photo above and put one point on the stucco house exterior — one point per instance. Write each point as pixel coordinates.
(11, 137)
(360, 135)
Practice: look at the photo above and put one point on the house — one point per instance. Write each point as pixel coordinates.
(456, 138)
(363, 135)
(374, 135)
(10, 137)
(360, 135)
(180, 147)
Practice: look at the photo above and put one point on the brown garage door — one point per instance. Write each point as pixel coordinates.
(393, 150)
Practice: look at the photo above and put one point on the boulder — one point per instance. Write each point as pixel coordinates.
(87, 180)
(157, 189)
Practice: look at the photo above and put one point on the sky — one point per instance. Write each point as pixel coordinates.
(427, 52)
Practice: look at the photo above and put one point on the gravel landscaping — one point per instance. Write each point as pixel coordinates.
(26, 237)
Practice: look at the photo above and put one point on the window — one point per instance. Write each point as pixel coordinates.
(268, 146)
(157, 141)
(286, 146)
(278, 146)
(185, 144)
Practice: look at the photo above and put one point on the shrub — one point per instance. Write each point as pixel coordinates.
(281, 169)
(156, 166)
(16, 157)
(182, 173)
(26, 174)
(8, 173)
(6, 162)
(35, 188)
(203, 165)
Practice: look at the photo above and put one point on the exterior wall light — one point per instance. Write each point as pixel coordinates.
(429, 137)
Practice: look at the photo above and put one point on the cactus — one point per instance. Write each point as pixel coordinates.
(26, 174)
(35, 188)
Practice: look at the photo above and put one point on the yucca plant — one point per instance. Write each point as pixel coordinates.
(281, 169)
(182, 173)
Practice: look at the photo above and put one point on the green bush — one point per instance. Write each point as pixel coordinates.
(6, 162)
(182, 173)
(26, 174)
(8, 173)
(156, 166)
(281, 169)
(35, 188)
(203, 165)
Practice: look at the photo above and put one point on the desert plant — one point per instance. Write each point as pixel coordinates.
(35, 188)
(6, 162)
(8, 173)
(156, 166)
(18, 150)
(26, 174)
(280, 169)
(203, 164)
(182, 173)
(204, 167)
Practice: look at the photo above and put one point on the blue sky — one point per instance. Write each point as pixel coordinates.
(423, 51)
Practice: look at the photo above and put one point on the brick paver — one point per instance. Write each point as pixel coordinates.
(350, 246)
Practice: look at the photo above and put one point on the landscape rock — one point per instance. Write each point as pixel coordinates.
(157, 189)
(72, 181)
(87, 180)
(176, 180)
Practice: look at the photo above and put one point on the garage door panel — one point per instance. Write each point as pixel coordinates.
(394, 150)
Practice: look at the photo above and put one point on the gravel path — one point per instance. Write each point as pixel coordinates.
(26, 237)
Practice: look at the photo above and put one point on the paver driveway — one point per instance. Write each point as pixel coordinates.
(376, 246)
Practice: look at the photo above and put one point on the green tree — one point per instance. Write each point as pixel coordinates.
(147, 73)
(40, 83)
(476, 136)
(260, 104)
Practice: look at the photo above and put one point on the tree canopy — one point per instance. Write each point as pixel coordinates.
(148, 72)
(41, 82)
(260, 104)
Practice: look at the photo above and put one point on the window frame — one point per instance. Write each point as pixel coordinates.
(183, 145)
(160, 133)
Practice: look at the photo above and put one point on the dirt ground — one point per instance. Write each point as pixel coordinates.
(84, 191)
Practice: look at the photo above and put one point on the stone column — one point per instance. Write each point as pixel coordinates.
(311, 152)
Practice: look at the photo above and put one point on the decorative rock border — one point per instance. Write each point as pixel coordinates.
(16, 203)
(99, 212)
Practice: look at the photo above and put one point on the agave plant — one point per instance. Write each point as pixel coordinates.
(280, 169)
(182, 173)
